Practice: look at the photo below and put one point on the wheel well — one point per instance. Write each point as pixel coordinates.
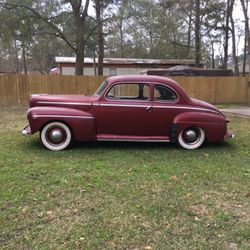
(204, 130)
(176, 129)
(64, 122)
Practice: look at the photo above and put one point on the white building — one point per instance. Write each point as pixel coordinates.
(115, 66)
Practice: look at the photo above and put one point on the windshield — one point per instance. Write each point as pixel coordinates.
(101, 88)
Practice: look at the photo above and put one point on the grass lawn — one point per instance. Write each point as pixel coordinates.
(123, 195)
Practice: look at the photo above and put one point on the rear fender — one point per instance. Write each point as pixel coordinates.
(214, 125)
(81, 123)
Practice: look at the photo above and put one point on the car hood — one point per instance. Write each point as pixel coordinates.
(75, 101)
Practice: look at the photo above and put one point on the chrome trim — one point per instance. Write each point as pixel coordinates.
(25, 132)
(162, 107)
(65, 116)
(67, 103)
(128, 140)
(185, 107)
(43, 94)
(123, 105)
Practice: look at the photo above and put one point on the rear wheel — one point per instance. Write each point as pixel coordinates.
(191, 138)
(56, 136)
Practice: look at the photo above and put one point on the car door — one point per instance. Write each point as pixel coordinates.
(125, 110)
(165, 108)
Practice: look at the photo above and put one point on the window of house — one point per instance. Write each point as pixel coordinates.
(129, 91)
(164, 93)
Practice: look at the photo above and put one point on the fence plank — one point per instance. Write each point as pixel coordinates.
(16, 89)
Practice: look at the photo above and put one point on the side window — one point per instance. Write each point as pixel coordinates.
(163, 93)
(129, 91)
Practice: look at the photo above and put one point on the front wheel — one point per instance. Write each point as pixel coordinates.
(191, 138)
(56, 136)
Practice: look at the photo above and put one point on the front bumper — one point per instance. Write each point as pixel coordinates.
(26, 130)
(229, 135)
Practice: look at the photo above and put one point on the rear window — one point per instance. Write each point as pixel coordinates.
(163, 93)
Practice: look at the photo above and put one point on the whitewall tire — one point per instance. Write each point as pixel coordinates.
(191, 138)
(56, 136)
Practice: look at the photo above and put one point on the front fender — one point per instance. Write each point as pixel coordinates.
(81, 123)
(214, 125)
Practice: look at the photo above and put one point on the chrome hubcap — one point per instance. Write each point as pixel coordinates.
(190, 136)
(56, 136)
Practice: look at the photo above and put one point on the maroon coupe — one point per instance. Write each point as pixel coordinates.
(126, 108)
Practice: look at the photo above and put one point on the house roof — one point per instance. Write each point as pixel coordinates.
(126, 61)
(240, 65)
(184, 70)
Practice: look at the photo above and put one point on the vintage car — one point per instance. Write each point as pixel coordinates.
(126, 108)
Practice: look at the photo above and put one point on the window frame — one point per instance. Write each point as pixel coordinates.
(101, 88)
(132, 83)
(165, 101)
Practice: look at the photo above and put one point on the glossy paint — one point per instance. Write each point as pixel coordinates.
(101, 118)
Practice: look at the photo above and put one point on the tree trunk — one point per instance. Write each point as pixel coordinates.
(94, 58)
(80, 46)
(226, 36)
(121, 37)
(24, 59)
(235, 57)
(79, 19)
(213, 61)
(247, 30)
(189, 33)
(197, 34)
(100, 37)
(79, 60)
(16, 61)
(245, 52)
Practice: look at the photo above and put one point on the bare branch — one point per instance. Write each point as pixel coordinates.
(96, 26)
(85, 11)
(39, 16)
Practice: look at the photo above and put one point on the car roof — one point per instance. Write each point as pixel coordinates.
(145, 78)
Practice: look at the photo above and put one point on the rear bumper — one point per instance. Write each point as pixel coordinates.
(26, 130)
(229, 135)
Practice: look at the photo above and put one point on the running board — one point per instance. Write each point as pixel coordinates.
(132, 138)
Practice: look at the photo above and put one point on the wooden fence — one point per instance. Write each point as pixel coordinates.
(16, 89)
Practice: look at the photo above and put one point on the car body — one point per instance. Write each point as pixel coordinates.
(126, 108)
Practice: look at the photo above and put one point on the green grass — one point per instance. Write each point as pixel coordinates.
(123, 195)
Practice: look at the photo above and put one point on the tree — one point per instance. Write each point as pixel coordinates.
(226, 28)
(244, 5)
(100, 6)
(197, 34)
(78, 10)
(163, 29)
(18, 36)
(235, 58)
